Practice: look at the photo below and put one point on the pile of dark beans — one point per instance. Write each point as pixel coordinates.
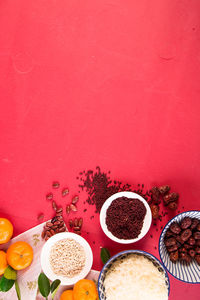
(182, 240)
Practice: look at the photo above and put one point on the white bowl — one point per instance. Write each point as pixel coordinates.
(147, 219)
(45, 261)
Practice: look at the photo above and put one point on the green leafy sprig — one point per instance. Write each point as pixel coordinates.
(7, 281)
(46, 288)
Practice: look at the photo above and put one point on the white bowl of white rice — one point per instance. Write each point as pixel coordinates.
(66, 256)
(133, 275)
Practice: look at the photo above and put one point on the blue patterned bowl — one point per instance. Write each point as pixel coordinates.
(189, 273)
(124, 254)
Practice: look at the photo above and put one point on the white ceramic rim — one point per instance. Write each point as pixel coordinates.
(45, 263)
(147, 219)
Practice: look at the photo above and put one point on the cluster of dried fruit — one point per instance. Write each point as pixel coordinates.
(169, 199)
(76, 225)
(182, 240)
(72, 205)
(56, 225)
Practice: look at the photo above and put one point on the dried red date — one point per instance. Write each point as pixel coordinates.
(186, 234)
(164, 189)
(154, 211)
(170, 242)
(197, 249)
(179, 239)
(172, 197)
(185, 257)
(194, 224)
(197, 235)
(187, 246)
(191, 241)
(186, 222)
(192, 253)
(155, 195)
(182, 249)
(198, 227)
(174, 256)
(197, 258)
(172, 205)
(175, 228)
(172, 248)
(198, 243)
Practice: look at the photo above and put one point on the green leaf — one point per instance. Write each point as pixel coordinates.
(6, 284)
(54, 287)
(17, 290)
(44, 285)
(105, 255)
(10, 273)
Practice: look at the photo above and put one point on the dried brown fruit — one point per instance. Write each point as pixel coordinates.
(192, 253)
(185, 257)
(175, 228)
(80, 222)
(186, 222)
(49, 224)
(71, 223)
(55, 185)
(43, 234)
(172, 205)
(194, 224)
(172, 197)
(75, 199)
(155, 195)
(77, 228)
(186, 234)
(174, 256)
(65, 192)
(49, 196)
(73, 207)
(197, 258)
(172, 248)
(191, 241)
(197, 235)
(154, 211)
(164, 189)
(170, 242)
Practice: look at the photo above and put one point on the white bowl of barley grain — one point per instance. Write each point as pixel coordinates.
(66, 256)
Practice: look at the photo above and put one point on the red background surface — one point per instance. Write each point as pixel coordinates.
(104, 82)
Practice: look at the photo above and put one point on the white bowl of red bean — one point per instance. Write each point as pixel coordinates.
(179, 247)
(125, 217)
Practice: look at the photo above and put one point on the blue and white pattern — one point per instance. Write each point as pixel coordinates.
(122, 255)
(189, 273)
